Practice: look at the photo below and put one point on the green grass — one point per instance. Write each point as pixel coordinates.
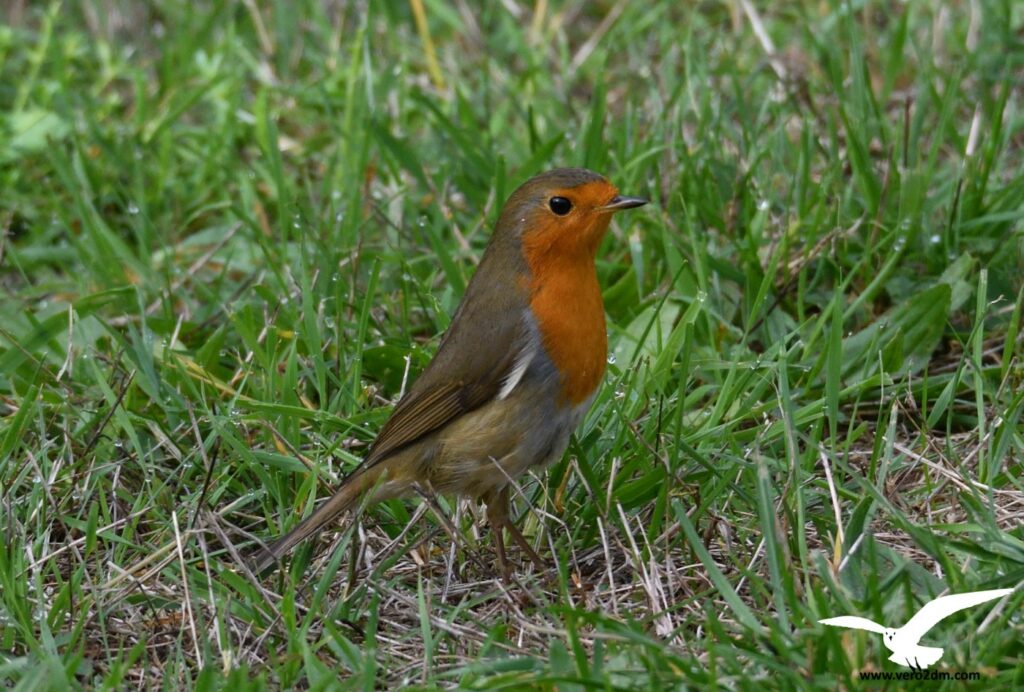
(228, 229)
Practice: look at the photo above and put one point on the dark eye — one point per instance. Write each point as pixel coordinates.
(560, 205)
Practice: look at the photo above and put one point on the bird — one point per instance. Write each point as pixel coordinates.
(514, 374)
(903, 642)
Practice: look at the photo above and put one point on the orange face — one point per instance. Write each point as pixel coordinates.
(559, 241)
(572, 221)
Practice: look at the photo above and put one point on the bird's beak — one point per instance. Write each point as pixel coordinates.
(619, 202)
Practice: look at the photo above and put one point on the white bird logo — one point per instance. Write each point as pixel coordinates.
(903, 643)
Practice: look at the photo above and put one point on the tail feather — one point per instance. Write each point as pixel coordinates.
(350, 492)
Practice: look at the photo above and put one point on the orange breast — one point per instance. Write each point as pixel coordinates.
(564, 293)
(566, 302)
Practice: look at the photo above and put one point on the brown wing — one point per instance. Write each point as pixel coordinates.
(476, 355)
(417, 416)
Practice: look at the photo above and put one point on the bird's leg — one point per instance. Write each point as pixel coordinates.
(521, 541)
(517, 535)
(427, 493)
(497, 515)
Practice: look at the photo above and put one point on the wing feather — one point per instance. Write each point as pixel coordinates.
(515, 374)
(436, 398)
(854, 622)
(941, 608)
(420, 415)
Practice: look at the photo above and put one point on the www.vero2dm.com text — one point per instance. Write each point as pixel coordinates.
(935, 675)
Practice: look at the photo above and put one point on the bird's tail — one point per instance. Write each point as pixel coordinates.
(351, 491)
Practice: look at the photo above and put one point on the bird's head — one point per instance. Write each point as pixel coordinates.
(889, 635)
(563, 213)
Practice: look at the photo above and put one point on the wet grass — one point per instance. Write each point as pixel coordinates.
(230, 231)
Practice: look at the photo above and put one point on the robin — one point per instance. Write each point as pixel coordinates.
(515, 372)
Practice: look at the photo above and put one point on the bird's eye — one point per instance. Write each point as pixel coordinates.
(560, 205)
